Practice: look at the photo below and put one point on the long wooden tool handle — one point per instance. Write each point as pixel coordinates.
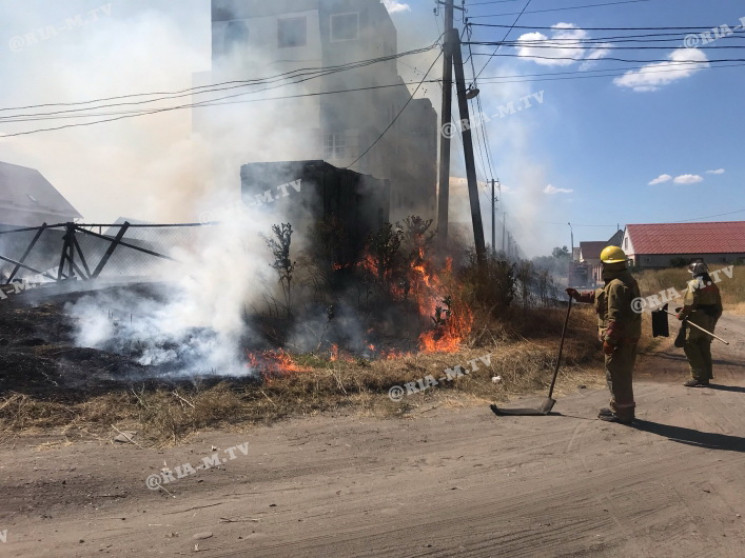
(699, 327)
(561, 349)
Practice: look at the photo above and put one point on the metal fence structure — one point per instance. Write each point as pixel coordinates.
(66, 251)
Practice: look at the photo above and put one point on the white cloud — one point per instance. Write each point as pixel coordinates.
(660, 179)
(564, 39)
(551, 190)
(716, 171)
(688, 179)
(684, 62)
(394, 6)
(601, 50)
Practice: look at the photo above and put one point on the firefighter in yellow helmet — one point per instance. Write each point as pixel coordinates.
(702, 306)
(619, 329)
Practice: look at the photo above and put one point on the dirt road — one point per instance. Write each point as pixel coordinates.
(450, 482)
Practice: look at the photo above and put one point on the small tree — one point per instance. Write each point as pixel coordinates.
(384, 246)
(284, 266)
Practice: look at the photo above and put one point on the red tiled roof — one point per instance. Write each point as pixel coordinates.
(688, 238)
(591, 249)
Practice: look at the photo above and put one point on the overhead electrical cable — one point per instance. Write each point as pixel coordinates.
(689, 28)
(507, 34)
(167, 95)
(565, 8)
(400, 112)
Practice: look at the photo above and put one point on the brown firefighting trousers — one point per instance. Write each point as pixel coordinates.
(698, 351)
(619, 367)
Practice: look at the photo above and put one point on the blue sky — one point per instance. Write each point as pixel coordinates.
(600, 142)
(585, 154)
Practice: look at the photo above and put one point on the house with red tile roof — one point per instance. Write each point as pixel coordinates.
(656, 245)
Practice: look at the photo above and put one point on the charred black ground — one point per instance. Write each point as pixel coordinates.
(38, 355)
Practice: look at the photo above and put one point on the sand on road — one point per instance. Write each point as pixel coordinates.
(452, 481)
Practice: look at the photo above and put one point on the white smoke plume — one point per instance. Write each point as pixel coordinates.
(194, 322)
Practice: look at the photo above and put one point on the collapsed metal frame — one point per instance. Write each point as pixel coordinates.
(71, 250)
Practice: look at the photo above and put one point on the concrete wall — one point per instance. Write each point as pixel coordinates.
(246, 45)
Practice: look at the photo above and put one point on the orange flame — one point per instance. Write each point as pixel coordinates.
(452, 320)
(274, 364)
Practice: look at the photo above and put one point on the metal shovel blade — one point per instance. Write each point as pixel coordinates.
(542, 410)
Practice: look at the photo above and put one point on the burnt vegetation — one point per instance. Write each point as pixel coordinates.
(338, 330)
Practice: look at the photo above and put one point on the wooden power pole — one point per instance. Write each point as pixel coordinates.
(446, 125)
(454, 61)
(493, 219)
(465, 123)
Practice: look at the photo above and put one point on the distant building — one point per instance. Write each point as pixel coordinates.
(259, 38)
(589, 255)
(586, 269)
(27, 199)
(664, 244)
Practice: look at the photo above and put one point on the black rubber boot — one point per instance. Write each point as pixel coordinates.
(609, 416)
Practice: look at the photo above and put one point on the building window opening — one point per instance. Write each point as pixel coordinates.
(345, 27)
(292, 32)
(335, 146)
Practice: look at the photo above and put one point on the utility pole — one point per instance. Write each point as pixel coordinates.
(446, 125)
(571, 248)
(493, 220)
(465, 122)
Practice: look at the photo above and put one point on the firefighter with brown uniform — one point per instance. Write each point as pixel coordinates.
(619, 329)
(702, 305)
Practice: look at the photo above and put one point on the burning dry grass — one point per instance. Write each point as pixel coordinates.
(523, 350)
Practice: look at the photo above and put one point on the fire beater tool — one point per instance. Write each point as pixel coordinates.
(706, 331)
(548, 403)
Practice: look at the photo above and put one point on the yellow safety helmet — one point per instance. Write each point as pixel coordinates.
(612, 254)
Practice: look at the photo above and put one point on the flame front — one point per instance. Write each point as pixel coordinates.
(273, 364)
(451, 318)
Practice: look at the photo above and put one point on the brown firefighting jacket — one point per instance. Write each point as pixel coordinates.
(702, 303)
(617, 321)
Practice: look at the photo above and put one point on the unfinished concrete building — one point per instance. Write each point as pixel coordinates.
(254, 39)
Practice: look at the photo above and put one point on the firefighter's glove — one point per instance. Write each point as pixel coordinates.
(573, 293)
(608, 348)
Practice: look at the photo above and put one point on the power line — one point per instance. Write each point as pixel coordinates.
(583, 47)
(503, 39)
(216, 102)
(583, 72)
(293, 74)
(490, 2)
(502, 25)
(561, 9)
(495, 80)
(484, 137)
(609, 58)
(710, 216)
(641, 38)
(204, 104)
